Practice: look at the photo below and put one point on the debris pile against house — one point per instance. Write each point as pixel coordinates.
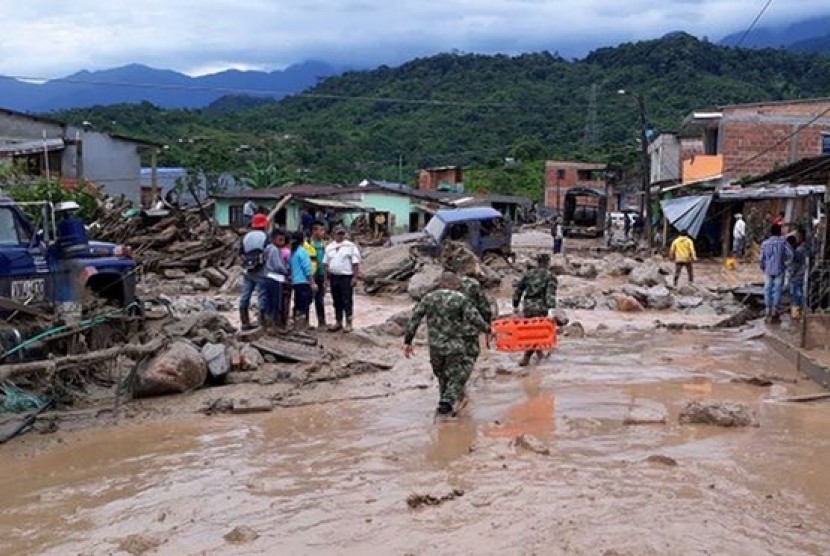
(185, 240)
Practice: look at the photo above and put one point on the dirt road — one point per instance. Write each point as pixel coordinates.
(332, 475)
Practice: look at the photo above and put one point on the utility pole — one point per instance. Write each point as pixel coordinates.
(400, 168)
(589, 138)
(641, 103)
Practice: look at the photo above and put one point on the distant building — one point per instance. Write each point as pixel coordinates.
(745, 140)
(50, 147)
(562, 176)
(444, 177)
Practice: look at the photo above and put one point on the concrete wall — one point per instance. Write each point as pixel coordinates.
(665, 158)
(399, 208)
(113, 164)
(17, 128)
(429, 179)
(560, 177)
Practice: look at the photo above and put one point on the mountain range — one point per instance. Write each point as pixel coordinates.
(809, 35)
(135, 83)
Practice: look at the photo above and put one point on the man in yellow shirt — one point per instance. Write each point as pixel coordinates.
(683, 254)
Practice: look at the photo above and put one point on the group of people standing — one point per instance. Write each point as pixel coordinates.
(282, 265)
(783, 259)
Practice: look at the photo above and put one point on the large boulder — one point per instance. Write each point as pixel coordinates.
(386, 262)
(659, 298)
(617, 265)
(218, 359)
(720, 413)
(587, 270)
(559, 265)
(688, 302)
(178, 369)
(638, 293)
(647, 275)
(425, 281)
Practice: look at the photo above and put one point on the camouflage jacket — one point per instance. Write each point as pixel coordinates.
(450, 316)
(538, 287)
(472, 289)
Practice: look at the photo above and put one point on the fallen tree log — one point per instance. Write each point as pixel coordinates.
(59, 364)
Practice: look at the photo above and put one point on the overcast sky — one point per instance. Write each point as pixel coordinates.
(50, 39)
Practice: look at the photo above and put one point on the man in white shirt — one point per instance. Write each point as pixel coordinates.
(739, 236)
(342, 267)
(248, 211)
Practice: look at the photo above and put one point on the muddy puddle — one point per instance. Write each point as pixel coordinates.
(333, 478)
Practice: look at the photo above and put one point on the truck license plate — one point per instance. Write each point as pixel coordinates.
(23, 290)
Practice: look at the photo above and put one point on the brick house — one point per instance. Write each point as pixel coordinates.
(561, 176)
(430, 179)
(744, 140)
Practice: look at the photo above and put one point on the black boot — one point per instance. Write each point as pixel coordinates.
(444, 409)
(245, 319)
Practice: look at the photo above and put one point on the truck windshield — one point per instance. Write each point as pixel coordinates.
(11, 232)
(435, 228)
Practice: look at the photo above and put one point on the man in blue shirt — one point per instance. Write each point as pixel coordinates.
(776, 257)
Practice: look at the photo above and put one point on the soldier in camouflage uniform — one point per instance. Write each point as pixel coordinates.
(538, 287)
(472, 289)
(450, 316)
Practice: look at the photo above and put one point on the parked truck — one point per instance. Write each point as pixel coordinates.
(49, 267)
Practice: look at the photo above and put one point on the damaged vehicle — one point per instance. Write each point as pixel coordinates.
(50, 272)
(484, 229)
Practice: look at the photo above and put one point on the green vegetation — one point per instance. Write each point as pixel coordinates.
(470, 110)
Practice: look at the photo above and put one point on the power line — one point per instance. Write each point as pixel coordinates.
(754, 23)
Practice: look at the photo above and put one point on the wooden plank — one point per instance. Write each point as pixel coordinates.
(805, 398)
(287, 351)
(12, 306)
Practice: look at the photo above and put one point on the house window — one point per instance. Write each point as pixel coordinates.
(235, 216)
(560, 174)
(825, 144)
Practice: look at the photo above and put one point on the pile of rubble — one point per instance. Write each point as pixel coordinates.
(185, 240)
(409, 268)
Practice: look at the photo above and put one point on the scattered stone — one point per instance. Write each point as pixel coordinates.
(139, 544)
(587, 270)
(174, 274)
(647, 275)
(662, 460)
(425, 281)
(218, 405)
(688, 302)
(659, 298)
(384, 263)
(199, 283)
(720, 413)
(209, 320)
(178, 369)
(637, 292)
(625, 304)
(241, 534)
(574, 330)
(559, 265)
(583, 302)
(532, 444)
(253, 405)
(561, 318)
(415, 501)
(218, 359)
(754, 380)
(250, 358)
(655, 414)
(215, 276)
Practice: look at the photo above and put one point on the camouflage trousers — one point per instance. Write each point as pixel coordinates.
(472, 348)
(452, 371)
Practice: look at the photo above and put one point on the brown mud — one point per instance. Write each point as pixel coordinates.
(332, 475)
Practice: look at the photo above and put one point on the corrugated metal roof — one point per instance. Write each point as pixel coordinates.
(773, 192)
(31, 147)
(687, 213)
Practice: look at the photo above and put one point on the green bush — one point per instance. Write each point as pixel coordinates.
(55, 192)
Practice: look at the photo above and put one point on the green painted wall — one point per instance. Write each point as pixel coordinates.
(398, 206)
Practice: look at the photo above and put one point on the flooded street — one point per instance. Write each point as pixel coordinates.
(332, 477)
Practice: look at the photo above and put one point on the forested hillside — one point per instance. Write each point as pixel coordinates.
(472, 110)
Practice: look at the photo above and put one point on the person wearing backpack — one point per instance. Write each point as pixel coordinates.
(254, 269)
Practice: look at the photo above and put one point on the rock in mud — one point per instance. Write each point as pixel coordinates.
(215, 276)
(587, 270)
(218, 359)
(415, 501)
(688, 302)
(177, 370)
(647, 275)
(719, 413)
(624, 303)
(253, 405)
(209, 320)
(656, 414)
(425, 281)
(662, 460)
(174, 274)
(659, 298)
(561, 318)
(199, 284)
(251, 358)
(619, 266)
(578, 302)
(386, 262)
(532, 444)
(559, 265)
(637, 292)
(139, 544)
(574, 330)
(241, 534)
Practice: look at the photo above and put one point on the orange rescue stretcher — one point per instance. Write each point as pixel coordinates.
(514, 334)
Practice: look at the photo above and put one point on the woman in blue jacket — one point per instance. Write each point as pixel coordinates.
(301, 279)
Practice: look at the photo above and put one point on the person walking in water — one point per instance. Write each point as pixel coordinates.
(776, 258)
(538, 289)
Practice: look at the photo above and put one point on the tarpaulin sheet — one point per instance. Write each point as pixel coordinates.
(687, 213)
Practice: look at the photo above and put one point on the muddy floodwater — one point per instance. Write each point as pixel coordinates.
(332, 477)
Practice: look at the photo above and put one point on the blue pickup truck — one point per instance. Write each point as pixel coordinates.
(52, 265)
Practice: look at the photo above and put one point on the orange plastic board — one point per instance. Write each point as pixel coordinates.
(524, 334)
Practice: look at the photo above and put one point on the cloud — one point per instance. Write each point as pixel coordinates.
(49, 39)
